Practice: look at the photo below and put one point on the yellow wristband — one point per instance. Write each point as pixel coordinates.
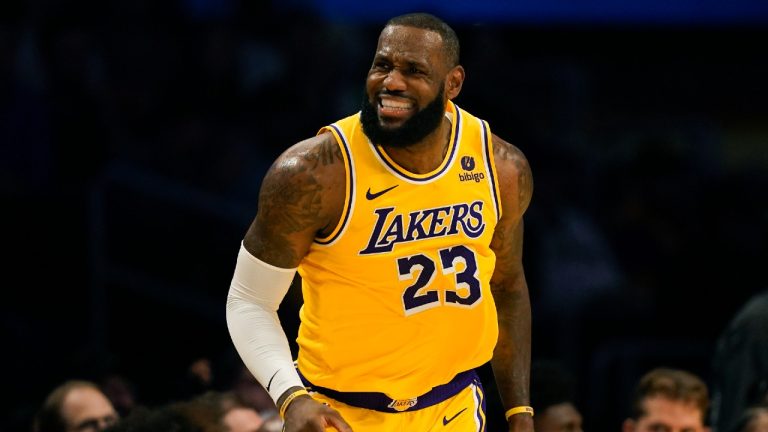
(518, 410)
(290, 399)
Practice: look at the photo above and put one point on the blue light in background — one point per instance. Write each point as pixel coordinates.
(696, 12)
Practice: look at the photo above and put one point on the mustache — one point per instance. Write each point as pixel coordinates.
(414, 129)
(398, 93)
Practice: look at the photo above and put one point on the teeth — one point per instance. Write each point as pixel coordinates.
(386, 103)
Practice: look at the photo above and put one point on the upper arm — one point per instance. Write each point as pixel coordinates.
(516, 188)
(301, 196)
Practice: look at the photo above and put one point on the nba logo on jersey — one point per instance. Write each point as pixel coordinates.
(403, 404)
(467, 163)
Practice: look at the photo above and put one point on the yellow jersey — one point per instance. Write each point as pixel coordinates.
(397, 299)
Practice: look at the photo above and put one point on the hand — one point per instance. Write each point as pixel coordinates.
(520, 423)
(305, 414)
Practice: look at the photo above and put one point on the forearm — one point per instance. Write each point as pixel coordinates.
(254, 296)
(512, 357)
(262, 345)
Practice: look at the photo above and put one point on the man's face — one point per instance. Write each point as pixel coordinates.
(86, 409)
(558, 418)
(405, 89)
(666, 415)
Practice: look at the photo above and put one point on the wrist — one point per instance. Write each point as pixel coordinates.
(520, 422)
(519, 410)
(288, 397)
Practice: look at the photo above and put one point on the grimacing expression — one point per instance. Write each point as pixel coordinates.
(413, 130)
(405, 89)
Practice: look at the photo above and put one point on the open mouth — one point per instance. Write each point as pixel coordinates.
(394, 107)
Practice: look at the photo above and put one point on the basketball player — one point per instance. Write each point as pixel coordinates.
(405, 223)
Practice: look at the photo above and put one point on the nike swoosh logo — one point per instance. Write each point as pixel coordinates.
(372, 196)
(270, 380)
(448, 420)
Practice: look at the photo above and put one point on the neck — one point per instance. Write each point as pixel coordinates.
(426, 155)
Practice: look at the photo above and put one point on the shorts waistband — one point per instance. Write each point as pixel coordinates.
(381, 402)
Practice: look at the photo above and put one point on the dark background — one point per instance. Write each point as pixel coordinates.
(134, 135)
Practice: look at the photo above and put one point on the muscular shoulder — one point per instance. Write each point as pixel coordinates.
(314, 159)
(309, 175)
(515, 179)
(301, 196)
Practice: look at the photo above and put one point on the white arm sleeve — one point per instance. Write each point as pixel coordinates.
(255, 294)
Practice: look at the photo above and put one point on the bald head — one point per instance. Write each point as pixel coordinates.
(75, 406)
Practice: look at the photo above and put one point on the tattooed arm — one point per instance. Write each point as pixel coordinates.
(512, 357)
(301, 197)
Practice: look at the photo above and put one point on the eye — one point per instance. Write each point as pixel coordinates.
(381, 66)
(88, 425)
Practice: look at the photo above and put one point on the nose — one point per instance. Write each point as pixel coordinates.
(394, 81)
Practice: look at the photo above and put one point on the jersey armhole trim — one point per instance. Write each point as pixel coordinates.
(349, 195)
(491, 164)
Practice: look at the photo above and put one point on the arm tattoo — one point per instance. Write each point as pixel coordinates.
(327, 153)
(508, 152)
(291, 204)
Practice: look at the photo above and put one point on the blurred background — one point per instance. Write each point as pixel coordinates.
(134, 135)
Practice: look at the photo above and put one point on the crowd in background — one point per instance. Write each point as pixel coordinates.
(134, 134)
(663, 399)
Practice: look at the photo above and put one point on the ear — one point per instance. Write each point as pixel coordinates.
(454, 81)
(628, 425)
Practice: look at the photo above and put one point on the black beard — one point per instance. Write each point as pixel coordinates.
(413, 130)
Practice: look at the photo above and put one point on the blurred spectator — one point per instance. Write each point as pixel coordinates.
(753, 420)
(209, 412)
(75, 406)
(251, 392)
(229, 375)
(740, 365)
(176, 417)
(236, 415)
(196, 379)
(120, 391)
(242, 419)
(669, 400)
(552, 396)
